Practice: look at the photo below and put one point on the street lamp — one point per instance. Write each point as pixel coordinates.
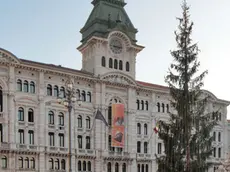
(68, 99)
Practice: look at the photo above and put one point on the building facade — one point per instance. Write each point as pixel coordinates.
(34, 126)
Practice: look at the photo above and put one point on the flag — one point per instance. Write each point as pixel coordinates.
(156, 129)
(99, 116)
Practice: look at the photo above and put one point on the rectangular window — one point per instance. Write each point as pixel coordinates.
(61, 140)
(219, 152)
(214, 152)
(110, 144)
(145, 147)
(138, 147)
(159, 148)
(87, 146)
(214, 136)
(51, 139)
(219, 136)
(79, 142)
(31, 137)
(21, 136)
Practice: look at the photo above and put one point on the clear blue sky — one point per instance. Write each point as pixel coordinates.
(48, 31)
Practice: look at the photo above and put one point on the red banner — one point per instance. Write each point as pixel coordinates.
(118, 125)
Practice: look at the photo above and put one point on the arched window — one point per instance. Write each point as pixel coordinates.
(27, 164)
(61, 119)
(115, 64)
(138, 168)
(83, 96)
(142, 105)
(142, 168)
(88, 122)
(30, 115)
(163, 107)
(56, 91)
(145, 147)
(20, 162)
(32, 163)
(138, 104)
(1, 100)
(110, 63)
(89, 96)
(147, 105)
(32, 87)
(103, 63)
(79, 165)
(57, 164)
(1, 133)
(146, 168)
(127, 66)
(89, 166)
(145, 129)
(138, 128)
(49, 90)
(84, 166)
(4, 162)
(120, 65)
(51, 117)
(158, 107)
(62, 92)
(79, 121)
(116, 167)
(19, 85)
(167, 108)
(20, 114)
(109, 169)
(87, 146)
(26, 86)
(110, 115)
(62, 164)
(124, 167)
(51, 164)
(78, 94)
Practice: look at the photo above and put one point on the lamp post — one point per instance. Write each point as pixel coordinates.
(68, 100)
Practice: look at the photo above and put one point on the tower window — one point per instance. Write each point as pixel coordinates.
(103, 63)
(127, 66)
(115, 64)
(120, 65)
(110, 63)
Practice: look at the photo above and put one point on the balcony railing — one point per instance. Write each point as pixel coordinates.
(89, 152)
(143, 156)
(4, 145)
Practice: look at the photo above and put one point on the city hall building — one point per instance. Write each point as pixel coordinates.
(34, 130)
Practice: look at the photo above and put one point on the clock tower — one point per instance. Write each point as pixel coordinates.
(109, 42)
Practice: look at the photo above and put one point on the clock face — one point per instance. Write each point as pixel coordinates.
(116, 46)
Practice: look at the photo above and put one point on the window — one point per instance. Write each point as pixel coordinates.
(120, 65)
(167, 108)
(56, 91)
(142, 168)
(51, 118)
(20, 162)
(32, 87)
(27, 164)
(78, 94)
(79, 121)
(31, 137)
(89, 166)
(146, 168)
(159, 151)
(20, 114)
(51, 164)
(84, 166)
(214, 152)
(145, 129)
(79, 165)
(219, 116)
(103, 63)
(61, 119)
(145, 147)
(110, 63)
(163, 107)
(87, 146)
(138, 128)
(147, 105)
(62, 92)
(127, 66)
(49, 90)
(142, 105)
(124, 167)
(83, 96)
(57, 164)
(214, 136)
(138, 168)
(116, 167)
(110, 115)
(32, 163)
(19, 85)
(51, 139)
(1, 133)
(21, 136)
(115, 64)
(4, 162)
(138, 104)
(219, 152)
(89, 97)
(26, 86)
(219, 137)
(110, 144)
(62, 164)
(61, 140)
(158, 107)
(1, 100)
(109, 169)
(79, 138)
(138, 147)
(30, 115)
(88, 122)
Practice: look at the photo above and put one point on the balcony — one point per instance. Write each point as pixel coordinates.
(85, 152)
(143, 156)
(111, 155)
(32, 147)
(4, 145)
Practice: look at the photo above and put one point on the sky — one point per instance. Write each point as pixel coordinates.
(48, 31)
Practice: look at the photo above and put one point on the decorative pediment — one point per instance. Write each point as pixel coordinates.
(119, 78)
(8, 57)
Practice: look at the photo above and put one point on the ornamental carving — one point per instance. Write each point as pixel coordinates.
(6, 57)
(119, 79)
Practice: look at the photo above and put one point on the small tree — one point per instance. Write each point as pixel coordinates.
(187, 133)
